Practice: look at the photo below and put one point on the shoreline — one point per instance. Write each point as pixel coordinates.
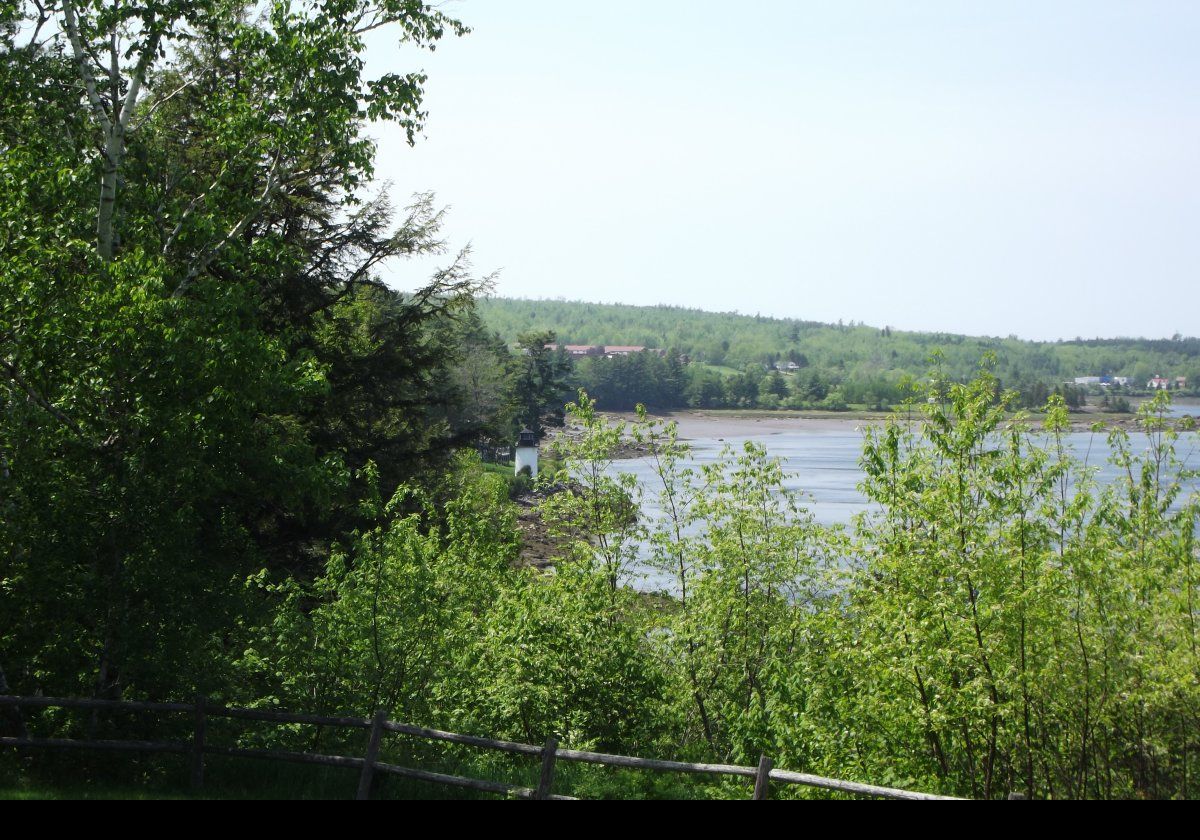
(719, 423)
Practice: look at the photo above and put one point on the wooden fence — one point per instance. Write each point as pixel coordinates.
(378, 726)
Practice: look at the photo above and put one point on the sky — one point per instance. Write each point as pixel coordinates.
(1018, 168)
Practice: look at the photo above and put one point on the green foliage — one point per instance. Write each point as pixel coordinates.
(596, 519)
(555, 656)
(429, 618)
(379, 627)
(541, 381)
(750, 570)
(868, 364)
(997, 633)
(1008, 625)
(144, 441)
(196, 368)
(621, 383)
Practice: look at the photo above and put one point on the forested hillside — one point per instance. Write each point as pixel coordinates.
(859, 357)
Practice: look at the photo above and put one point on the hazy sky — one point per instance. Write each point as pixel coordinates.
(987, 168)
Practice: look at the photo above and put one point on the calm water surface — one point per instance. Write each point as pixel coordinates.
(823, 465)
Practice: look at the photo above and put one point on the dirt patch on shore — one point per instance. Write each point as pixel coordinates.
(538, 548)
(700, 424)
(719, 424)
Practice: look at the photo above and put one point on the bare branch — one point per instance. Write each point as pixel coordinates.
(205, 259)
(375, 23)
(42, 19)
(191, 208)
(378, 254)
(11, 372)
(149, 112)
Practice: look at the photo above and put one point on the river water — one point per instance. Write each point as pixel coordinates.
(820, 460)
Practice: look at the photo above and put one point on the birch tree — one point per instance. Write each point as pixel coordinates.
(298, 103)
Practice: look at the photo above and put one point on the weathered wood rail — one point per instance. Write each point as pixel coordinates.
(378, 727)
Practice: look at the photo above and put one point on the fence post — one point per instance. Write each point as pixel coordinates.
(546, 779)
(368, 768)
(762, 779)
(198, 736)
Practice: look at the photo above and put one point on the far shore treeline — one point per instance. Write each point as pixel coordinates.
(235, 463)
(728, 360)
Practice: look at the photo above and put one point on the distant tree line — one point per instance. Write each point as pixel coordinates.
(668, 382)
(728, 356)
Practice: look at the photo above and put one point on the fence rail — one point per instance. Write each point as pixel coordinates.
(378, 726)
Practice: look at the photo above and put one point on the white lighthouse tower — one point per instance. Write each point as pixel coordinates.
(527, 453)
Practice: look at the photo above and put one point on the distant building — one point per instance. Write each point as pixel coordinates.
(1102, 381)
(579, 349)
(1158, 383)
(1181, 382)
(608, 350)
